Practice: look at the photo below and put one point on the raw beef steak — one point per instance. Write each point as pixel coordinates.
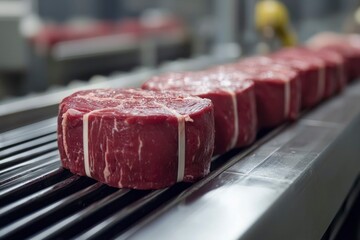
(328, 64)
(234, 103)
(133, 138)
(336, 64)
(277, 91)
(346, 45)
(308, 73)
(317, 62)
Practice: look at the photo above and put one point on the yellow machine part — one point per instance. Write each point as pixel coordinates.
(274, 15)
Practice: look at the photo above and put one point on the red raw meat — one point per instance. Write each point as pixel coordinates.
(323, 84)
(346, 45)
(308, 73)
(277, 91)
(336, 64)
(233, 98)
(332, 62)
(133, 138)
(352, 59)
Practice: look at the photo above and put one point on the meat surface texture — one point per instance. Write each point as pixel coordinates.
(167, 132)
(334, 71)
(133, 138)
(277, 91)
(309, 74)
(234, 103)
(326, 62)
(347, 46)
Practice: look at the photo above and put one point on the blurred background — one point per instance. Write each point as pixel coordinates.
(52, 48)
(47, 45)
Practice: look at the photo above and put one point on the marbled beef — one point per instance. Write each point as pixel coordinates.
(321, 84)
(336, 64)
(309, 74)
(326, 63)
(133, 138)
(233, 98)
(346, 45)
(277, 91)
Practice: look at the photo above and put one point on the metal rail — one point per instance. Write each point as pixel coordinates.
(284, 169)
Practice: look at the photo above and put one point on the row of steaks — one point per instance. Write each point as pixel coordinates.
(168, 131)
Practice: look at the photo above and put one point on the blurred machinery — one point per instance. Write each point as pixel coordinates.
(273, 24)
(83, 47)
(127, 42)
(47, 43)
(12, 47)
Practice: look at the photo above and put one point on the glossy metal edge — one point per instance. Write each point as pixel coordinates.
(289, 188)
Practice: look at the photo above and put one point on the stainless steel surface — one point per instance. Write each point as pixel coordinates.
(133, 79)
(49, 99)
(289, 188)
(31, 109)
(42, 106)
(288, 185)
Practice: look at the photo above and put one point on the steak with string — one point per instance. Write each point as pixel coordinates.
(326, 62)
(309, 74)
(133, 138)
(233, 97)
(277, 91)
